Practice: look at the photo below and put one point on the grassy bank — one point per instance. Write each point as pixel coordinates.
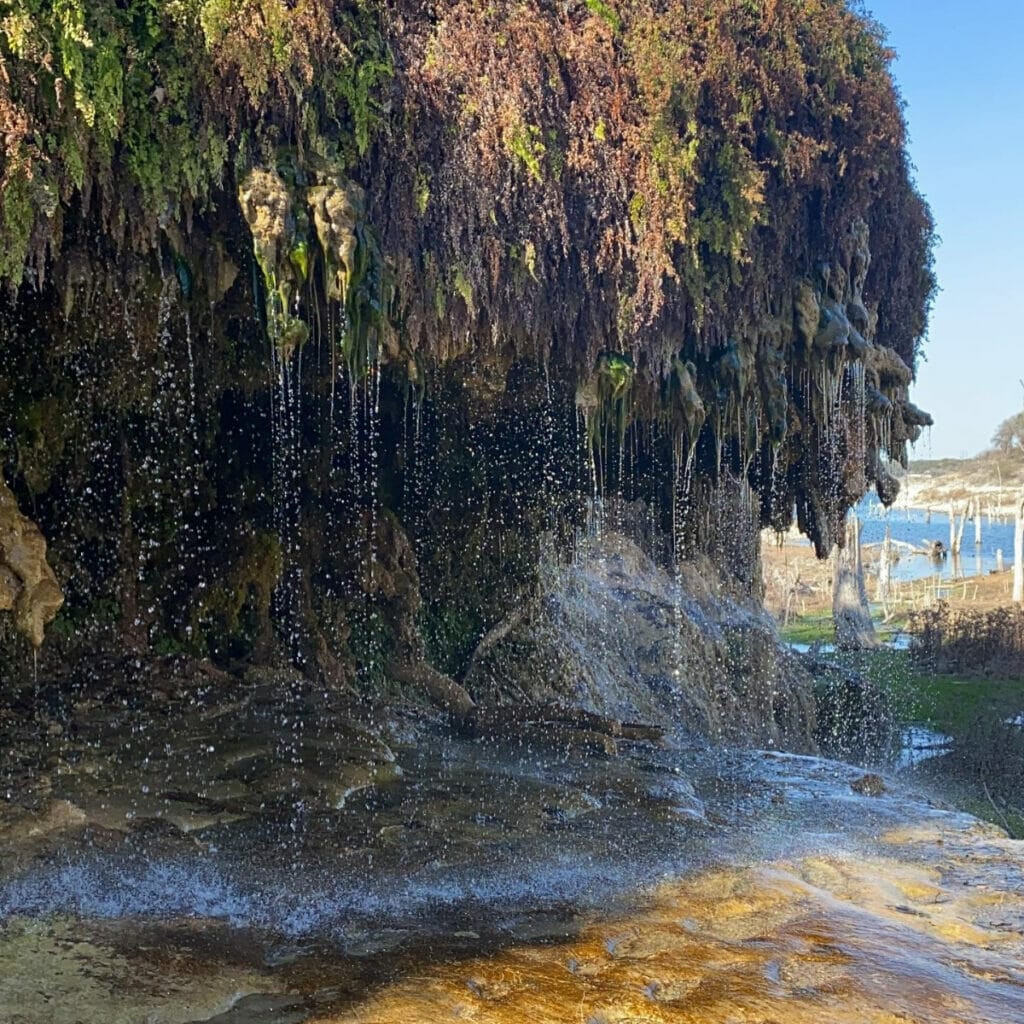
(808, 629)
(817, 628)
(983, 772)
(954, 704)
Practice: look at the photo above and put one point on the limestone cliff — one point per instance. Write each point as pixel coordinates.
(296, 294)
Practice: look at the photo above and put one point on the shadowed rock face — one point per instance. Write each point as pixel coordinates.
(28, 588)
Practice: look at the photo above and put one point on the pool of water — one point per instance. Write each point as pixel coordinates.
(919, 743)
(921, 528)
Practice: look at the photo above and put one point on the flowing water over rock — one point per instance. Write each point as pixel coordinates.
(618, 635)
(487, 881)
(183, 845)
(309, 362)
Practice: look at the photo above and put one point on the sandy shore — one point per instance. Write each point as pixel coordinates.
(793, 574)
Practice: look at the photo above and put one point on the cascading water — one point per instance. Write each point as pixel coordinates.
(265, 821)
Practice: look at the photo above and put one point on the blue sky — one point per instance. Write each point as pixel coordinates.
(960, 68)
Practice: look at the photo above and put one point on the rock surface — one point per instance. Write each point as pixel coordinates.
(769, 891)
(618, 636)
(28, 587)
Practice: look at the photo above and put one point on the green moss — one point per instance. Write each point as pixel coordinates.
(215, 17)
(239, 607)
(298, 257)
(555, 152)
(463, 288)
(606, 13)
(525, 143)
(606, 398)
(530, 258)
(155, 120)
(422, 192)
(674, 136)
(450, 635)
(371, 643)
(165, 646)
(618, 371)
(16, 218)
(43, 429)
(359, 82)
(369, 299)
(637, 205)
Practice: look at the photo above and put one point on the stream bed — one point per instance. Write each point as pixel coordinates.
(496, 883)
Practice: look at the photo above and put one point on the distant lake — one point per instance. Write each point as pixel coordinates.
(914, 526)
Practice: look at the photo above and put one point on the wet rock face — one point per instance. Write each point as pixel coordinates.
(614, 633)
(161, 765)
(391, 497)
(28, 587)
(849, 410)
(393, 463)
(423, 263)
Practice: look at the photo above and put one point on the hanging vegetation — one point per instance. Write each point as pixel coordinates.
(666, 251)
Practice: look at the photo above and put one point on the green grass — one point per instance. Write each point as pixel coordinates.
(953, 704)
(971, 711)
(1009, 818)
(808, 629)
(947, 703)
(981, 774)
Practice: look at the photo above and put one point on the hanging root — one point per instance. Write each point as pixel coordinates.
(441, 689)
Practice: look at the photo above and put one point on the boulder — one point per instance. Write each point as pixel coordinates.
(616, 639)
(28, 587)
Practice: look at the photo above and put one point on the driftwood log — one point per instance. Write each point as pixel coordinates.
(556, 727)
(549, 726)
(444, 691)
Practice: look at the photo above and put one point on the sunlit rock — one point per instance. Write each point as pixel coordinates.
(28, 587)
(337, 212)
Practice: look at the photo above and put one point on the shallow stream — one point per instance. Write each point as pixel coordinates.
(495, 883)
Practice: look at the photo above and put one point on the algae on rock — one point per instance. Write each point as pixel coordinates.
(353, 277)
